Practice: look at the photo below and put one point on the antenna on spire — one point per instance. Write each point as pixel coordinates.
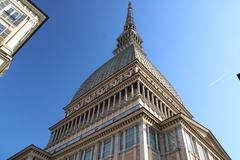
(129, 36)
(130, 20)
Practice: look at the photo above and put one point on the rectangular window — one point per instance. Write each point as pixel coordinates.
(152, 139)
(129, 137)
(71, 157)
(13, 16)
(107, 148)
(2, 28)
(190, 144)
(4, 4)
(137, 133)
(121, 141)
(170, 141)
(88, 154)
(202, 152)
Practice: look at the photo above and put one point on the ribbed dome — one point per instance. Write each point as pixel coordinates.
(118, 62)
(106, 70)
(129, 49)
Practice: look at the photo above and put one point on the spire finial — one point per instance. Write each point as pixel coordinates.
(129, 36)
(130, 20)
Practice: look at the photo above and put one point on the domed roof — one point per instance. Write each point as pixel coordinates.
(115, 64)
(129, 49)
(106, 70)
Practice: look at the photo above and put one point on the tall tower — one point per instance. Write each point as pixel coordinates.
(127, 110)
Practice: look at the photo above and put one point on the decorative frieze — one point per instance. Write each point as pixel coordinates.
(102, 90)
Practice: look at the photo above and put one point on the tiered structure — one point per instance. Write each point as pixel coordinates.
(19, 19)
(127, 110)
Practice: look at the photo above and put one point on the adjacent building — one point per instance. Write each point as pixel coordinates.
(127, 110)
(19, 19)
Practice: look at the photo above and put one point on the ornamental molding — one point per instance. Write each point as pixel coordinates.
(160, 94)
(161, 87)
(179, 119)
(73, 133)
(110, 84)
(117, 126)
(159, 90)
(200, 138)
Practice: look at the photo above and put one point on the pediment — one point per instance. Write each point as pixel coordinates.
(206, 134)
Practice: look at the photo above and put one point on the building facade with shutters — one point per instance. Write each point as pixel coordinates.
(19, 19)
(127, 110)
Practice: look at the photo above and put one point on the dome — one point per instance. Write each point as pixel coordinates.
(115, 64)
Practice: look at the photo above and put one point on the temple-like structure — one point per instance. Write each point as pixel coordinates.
(127, 110)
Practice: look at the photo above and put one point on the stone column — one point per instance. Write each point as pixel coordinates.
(83, 154)
(148, 96)
(143, 141)
(148, 136)
(96, 151)
(157, 105)
(65, 131)
(54, 137)
(102, 146)
(138, 88)
(62, 133)
(135, 142)
(120, 97)
(73, 124)
(111, 148)
(143, 88)
(126, 94)
(132, 91)
(89, 113)
(124, 145)
(84, 118)
(153, 100)
(156, 139)
(164, 110)
(98, 111)
(79, 123)
(103, 108)
(161, 107)
(109, 102)
(57, 132)
(93, 115)
(78, 155)
(114, 101)
(117, 146)
(181, 143)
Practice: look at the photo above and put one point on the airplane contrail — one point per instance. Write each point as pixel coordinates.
(217, 80)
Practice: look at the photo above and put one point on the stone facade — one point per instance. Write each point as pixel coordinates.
(127, 110)
(19, 19)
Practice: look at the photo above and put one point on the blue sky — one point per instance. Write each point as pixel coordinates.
(195, 44)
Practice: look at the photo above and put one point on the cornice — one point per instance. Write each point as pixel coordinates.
(119, 107)
(93, 103)
(154, 83)
(30, 150)
(100, 85)
(182, 120)
(116, 126)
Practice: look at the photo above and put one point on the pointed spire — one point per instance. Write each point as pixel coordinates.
(129, 35)
(130, 20)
